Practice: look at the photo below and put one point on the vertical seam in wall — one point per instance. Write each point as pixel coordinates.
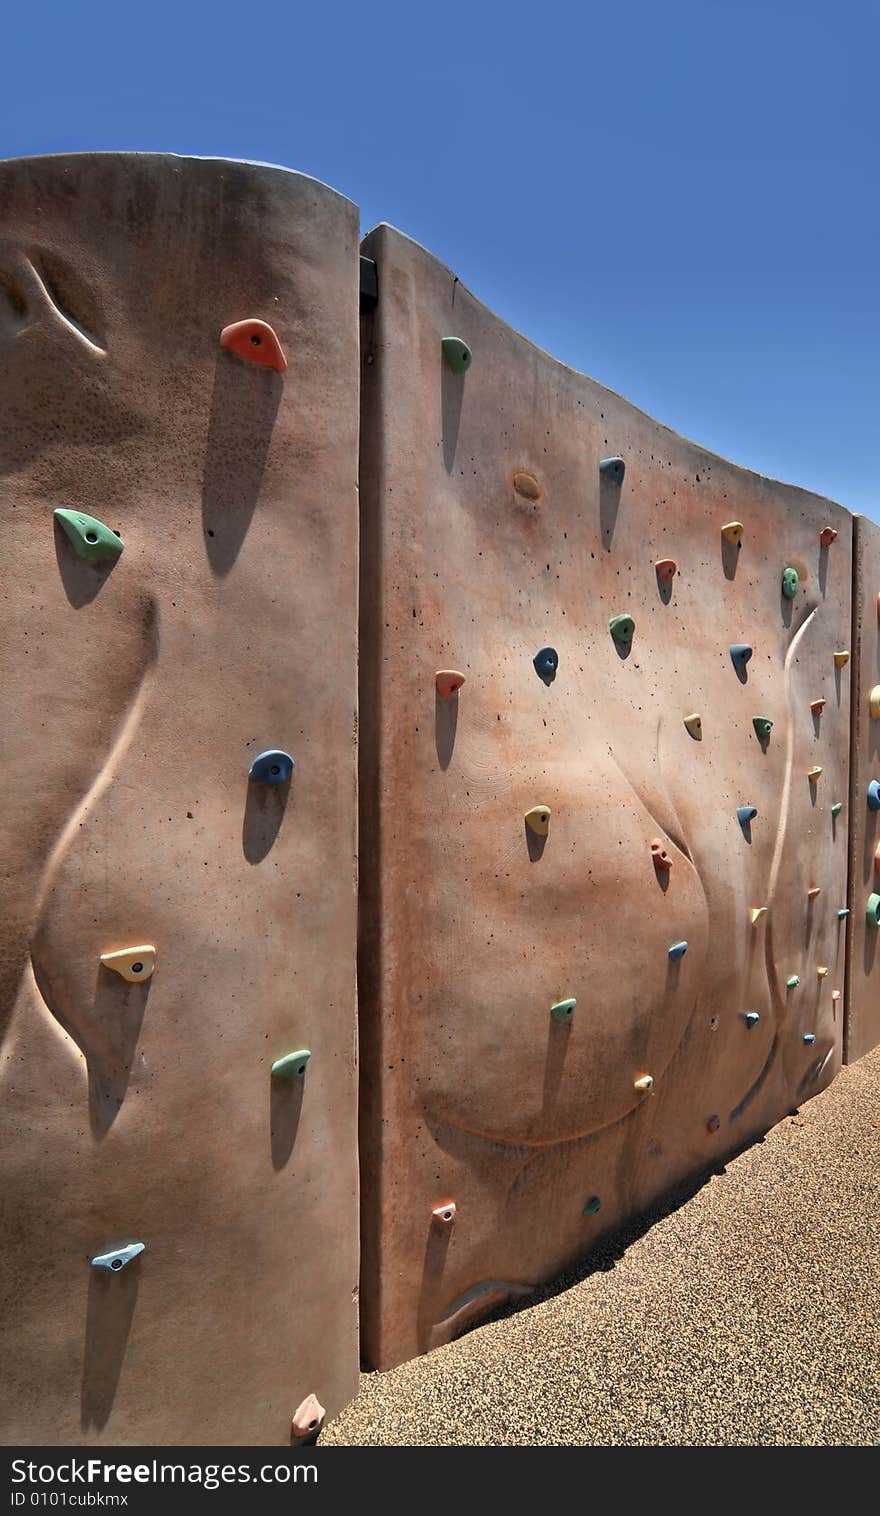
(848, 1030)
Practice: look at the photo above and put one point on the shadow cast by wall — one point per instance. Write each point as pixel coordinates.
(109, 1313)
(244, 404)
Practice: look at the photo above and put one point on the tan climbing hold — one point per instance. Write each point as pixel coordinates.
(134, 964)
(874, 702)
(841, 658)
(814, 772)
(538, 820)
(877, 859)
(733, 531)
(812, 893)
(822, 970)
(757, 912)
(308, 1419)
(827, 536)
(255, 342)
(694, 724)
(644, 1084)
(817, 707)
(526, 485)
(835, 995)
(448, 682)
(444, 1214)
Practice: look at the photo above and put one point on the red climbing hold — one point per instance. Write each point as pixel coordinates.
(817, 707)
(666, 568)
(448, 682)
(256, 342)
(827, 536)
(660, 856)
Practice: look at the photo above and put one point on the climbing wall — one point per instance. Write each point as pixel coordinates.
(863, 999)
(605, 724)
(178, 455)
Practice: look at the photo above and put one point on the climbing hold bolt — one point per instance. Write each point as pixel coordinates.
(874, 703)
(613, 468)
(118, 1259)
(563, 1010)
(792, 981)
(666, 568)
(827, 536)
(740, 653)
(444, 1214)
(644, 1084)
(836, 808)
(751, 1018)
(660, 856)
(790, 583)
(457, 354)
(132, 963)
(713, 1123)
(271, 767)
(90, 538)
(255, 342)
(809, 1038)
(292, 1065)
(746, 813)
(873, 910)
(448, 681)
(677, 951)
(763, 726)
(308, 1419)
(694, 724)
(546, 662)
(843, 913)
(757, 912)
(733, 531)
(874, 795)
(817, 706)
(593, 1205)
(822, 970)
(538, 820)
(813, 892)
(841, 658)
(622, 628)
(814, 773)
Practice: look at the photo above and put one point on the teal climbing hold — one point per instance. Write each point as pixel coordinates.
(874, 795)
(843, 913)
(457, 354)
(792, 981)
(745, 814)
(837, 808)
(563, 1010)
(622, 628)
(677, 951)
(873, 911)
(119, 1259)
(763, 726)
(740, 653)
(593, 1205)
(613, 468)
(90, 538)
(790, 583)
(292, 1065)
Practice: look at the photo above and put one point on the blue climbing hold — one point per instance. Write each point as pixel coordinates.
(271, 767)
(677, 951)
(746, 813)
(118, 1259)
(842, 913)
(546, 662)
(874, 795)
(740, 653)
(809, 1038)
(751, 1017)
(613, 468)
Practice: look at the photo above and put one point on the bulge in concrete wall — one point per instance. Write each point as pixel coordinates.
(863, 959)
(605, 697)
(179, 1245)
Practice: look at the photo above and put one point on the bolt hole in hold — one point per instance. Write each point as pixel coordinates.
(137, 968)
(116, 1264)
(91, 536)
(256, 340)
(312, 1425)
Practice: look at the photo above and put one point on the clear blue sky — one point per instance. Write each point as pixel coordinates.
(679, 198)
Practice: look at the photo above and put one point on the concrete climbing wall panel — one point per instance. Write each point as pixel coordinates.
(172, 927)
(863, 993)
(600, 943)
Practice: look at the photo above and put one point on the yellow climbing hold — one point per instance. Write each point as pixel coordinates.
(822, 970)
(814, 772)
(733, 531)
(757, 912)
(874, 702)
(841, 658)
(694, 724)
(133, 964)
(538, 820)
(644, 1084)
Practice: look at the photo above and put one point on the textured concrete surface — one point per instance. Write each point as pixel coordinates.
(488, 533)
(750, 1314)
(863, 940)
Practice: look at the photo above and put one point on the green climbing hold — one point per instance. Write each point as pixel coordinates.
(292, 1065)
(873, 911)
(593, 1205)
(793, 981)
(563, 1010)
(763, 726)
(457, 354)
(790, 583)
(91, 539)
(837, 808)
(622, 628)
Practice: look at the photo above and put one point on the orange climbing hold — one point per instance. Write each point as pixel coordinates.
(817, 707)
(666, 568)
(449, 681)
(827, 536)
(812, 893)
(256, 342)
(660, 856)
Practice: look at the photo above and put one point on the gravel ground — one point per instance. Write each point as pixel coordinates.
(748, 1314)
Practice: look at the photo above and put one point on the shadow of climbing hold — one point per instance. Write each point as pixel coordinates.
(292, 1065)
(538, 820)
(694, 724)
(666, 569)
(713, 1123)
(563, 1010)
(827, 536)
(874, 795)
(790, 583)
(841, 658)
(449, 682)
(613, 468)
(740, 653)
(843, 913)
(308, 1419)
(660, 856)
(757, 912)
(732, 531)
(677, 951)
(817, 706)
(88, 536)
(134, 964)
(792, 981)
(822, 970)
(813, 891)
(836, 809)
(593, 1206)
(751, 1018)
(872, 911)
(546, 662)
(271, 767)
(809, 1038)
(746, 813)
(255, 342)
(814, 773)
(457, 354)
(874, 703)
(444, 1214)
(644, 1084)
(119, 1258)
(622, 628)
(763, 726)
